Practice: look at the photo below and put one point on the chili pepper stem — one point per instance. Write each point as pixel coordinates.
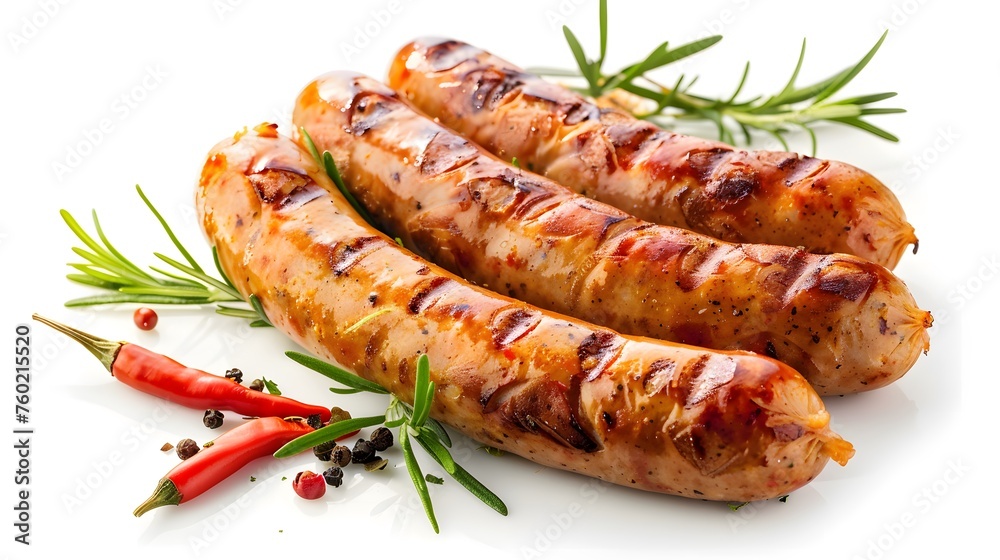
(104, 350)
(166, 494)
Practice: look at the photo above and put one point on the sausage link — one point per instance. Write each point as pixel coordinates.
(637, 412)
(846, 324)
(736, 195)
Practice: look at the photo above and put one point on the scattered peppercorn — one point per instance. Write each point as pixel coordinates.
(186, 448)
(212, 419)
(314, 421)
(309, 485)
(256, 385)
(235, 374)
(338, 414)
(376, 464)
(324, 450)
(381, 438)
(334, 476)
(363, 452)
(167, 447)
(145, 318)
(341, 455)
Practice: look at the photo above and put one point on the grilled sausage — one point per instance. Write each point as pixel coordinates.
(770, 197)
(637, 412)
(846, 324)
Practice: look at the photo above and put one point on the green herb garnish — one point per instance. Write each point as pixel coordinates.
(271, 386)
(433, 479)
(792, 107)
(413, 423)
(187, 284)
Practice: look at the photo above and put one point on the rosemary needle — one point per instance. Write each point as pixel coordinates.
(793, 107)
(108, 269)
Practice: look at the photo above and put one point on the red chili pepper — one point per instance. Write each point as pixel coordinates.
(161, 376)
(231, 451)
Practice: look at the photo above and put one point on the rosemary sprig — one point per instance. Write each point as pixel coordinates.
(187, 284)
(413, 423)
(792, 107)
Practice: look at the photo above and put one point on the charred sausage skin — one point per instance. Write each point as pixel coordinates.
(637, 412)
(736, 195)
(847, 324)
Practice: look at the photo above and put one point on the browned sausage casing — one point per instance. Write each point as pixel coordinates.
(846, 324)
(637, 412)
(771, 197)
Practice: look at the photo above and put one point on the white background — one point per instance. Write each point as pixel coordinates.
(925, 446)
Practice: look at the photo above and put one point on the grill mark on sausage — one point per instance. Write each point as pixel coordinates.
(550, 408)
(735, 185)
(300, 196)
(367, 111)
(578, 112)
(703, 162)
(511, 324)
(489, 86)
(446, 152)
(628, 140)
(803, 169)
(270, 184)
(428, 293)
(597, 352)
(448, 54)
(509, 194)
(658, 375)
(345, 256)
(697, 264)
(851, 286)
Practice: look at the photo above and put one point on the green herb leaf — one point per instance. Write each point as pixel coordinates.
(476, 488)
(259, 309)
(439, 432)
(438, 451)
(417, 477)
(327, 433)
(339, 375)
(170, 232)
(433, 479)
(271, 386)
(423, 392)
(339, 391)
(492, 450)
(586, 68)
(792, 106)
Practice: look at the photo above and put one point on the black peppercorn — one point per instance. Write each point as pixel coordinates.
(234, 374)
(186, 448)
(381, 438)
(363, 452)
(212, 419)
(257, 385)
(324, 450)
(314, 421)
(341, 455)
(334, 476)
